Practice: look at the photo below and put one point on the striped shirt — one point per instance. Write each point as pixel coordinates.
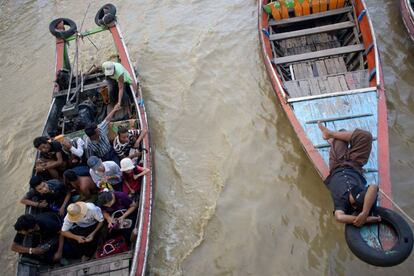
(101, 146)
(123, 150)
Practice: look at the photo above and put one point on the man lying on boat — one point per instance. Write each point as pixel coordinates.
(349, 152)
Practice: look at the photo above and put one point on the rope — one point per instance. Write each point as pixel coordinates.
(398, 207)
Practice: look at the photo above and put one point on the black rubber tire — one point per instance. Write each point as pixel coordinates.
(102, 19)
(401, 250)
(63, 34)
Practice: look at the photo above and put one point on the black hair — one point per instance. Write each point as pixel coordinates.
(105, 197)
(90, 129)
(70, 175)
(122, 130)
(25, 223)
(39, 141)
(35, 181)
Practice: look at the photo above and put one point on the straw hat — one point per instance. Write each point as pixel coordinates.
(77, 211)
(126, 164)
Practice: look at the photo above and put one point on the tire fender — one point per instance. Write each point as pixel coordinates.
(106, 16)
(395, 255)
(59, 33)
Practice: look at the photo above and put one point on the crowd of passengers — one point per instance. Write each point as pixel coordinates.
(87, 192)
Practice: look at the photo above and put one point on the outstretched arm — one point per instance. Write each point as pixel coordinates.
(121, 89)
(140, 137)
(111, 114)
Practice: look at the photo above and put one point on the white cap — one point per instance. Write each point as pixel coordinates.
(109, 68)
(126, 164)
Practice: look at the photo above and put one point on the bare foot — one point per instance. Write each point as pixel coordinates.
(326, 133)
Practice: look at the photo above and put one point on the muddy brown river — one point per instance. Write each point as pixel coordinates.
(234, 192)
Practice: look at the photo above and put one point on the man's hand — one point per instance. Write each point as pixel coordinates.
(360, 219)
(38, 251)
(67, 144)
(57, 256)
(80, 239)
(62, 210)
(42, 204)
(89, 238)
(40, 166)
(111, 222)
(117, 107)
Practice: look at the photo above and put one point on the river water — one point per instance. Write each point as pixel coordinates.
(234, 192)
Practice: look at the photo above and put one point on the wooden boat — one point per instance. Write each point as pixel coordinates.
(407, 13)
(85, 88)
(324, 66)
(323, 63)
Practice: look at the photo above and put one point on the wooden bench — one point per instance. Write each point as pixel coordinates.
(315, 30)
(304, 18)
(319, 54)
(85, 88)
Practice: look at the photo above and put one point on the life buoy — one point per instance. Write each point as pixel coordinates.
(62, 33)
(106, 15)
(395, 255)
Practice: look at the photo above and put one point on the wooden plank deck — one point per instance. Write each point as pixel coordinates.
(327, 84)
(319, 54)
(308, 44)
(350, 105)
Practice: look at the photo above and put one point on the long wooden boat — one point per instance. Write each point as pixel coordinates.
(324, 65)
(407, 13)
(132, 262)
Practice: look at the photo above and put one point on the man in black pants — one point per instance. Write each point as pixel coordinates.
(47, 244)
(349, 152)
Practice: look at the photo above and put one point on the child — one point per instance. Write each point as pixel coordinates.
(132, 177)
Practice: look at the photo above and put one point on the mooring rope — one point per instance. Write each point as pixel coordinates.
(398, 207)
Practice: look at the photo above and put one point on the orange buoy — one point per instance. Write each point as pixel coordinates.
(315, 6)
(305, 6)
(298, 8)
(333, 4)
(341, 3)
(285, 11)
(323, 5)
(276, 10)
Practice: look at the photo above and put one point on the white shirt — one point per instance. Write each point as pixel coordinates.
(78, 150)
(93, 215)
(111, 169)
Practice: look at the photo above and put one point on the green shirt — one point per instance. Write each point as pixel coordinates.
(121, 71)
